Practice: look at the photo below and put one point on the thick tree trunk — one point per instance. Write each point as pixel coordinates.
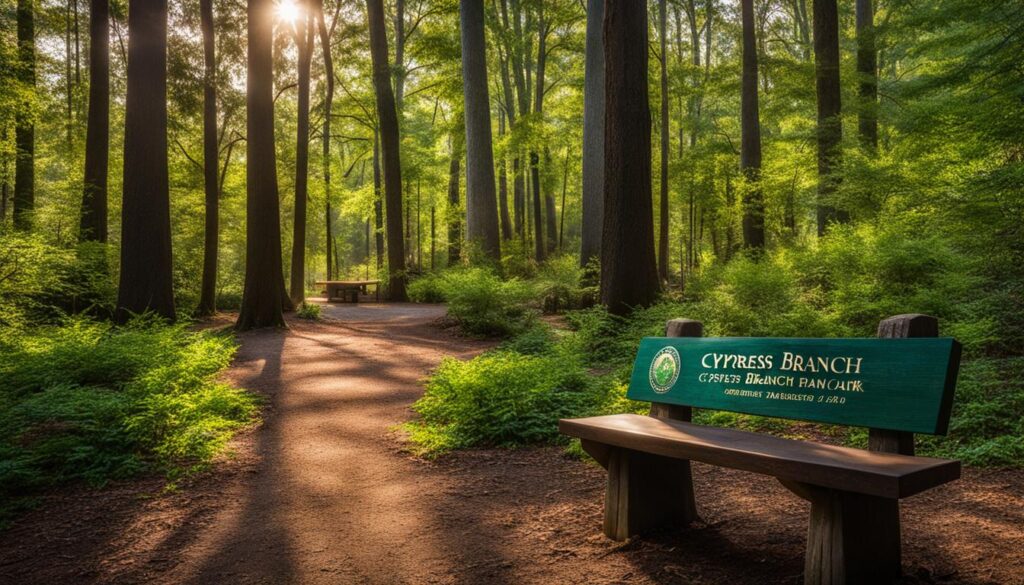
(830, 126)
(388, 119)
(629, 276)
(325, 47)
(25, 131)
(663, 215)
(750, 145)
(93, 226)
(454, 210)
(146, 277)
(264, 294)
(481, 205)
(867, 69)
(304, 39)
(593, 135)
(208, 289)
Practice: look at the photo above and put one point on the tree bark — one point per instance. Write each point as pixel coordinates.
(454, 211)
(593, 135)
(399, 73)
(550, 214)
(629, 276)
(750, 143)
(304, 39)
(264, 295)
(24, 131)
(378, 212)
(146, 275)
(830, 127)
(208, 288)
(506, 220)
(93, 225)
(481, 205)
(663, 215)
(867, 69)
(388, 120)
(325, 47)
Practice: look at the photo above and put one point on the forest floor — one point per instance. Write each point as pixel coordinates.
(323, 491)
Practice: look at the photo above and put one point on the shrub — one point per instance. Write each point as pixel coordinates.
(987, 426)
(40, 283)
(483, 304)
(426, 289)
(559, 284)
(86, 401)
(537, 340)
(310, 311)
(501, 398)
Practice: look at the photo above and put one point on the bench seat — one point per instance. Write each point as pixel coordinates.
(886, 475)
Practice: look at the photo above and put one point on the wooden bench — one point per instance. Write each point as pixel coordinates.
(895, 387)
(348, 290)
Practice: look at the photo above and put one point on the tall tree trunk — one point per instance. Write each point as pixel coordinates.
(208, 289)
(433, 236)
(78, 44)
(830, 126)
(454, 210)
(25, 131)
(304, 39)
(561, 219)
(325, 47)
(388, 120)
(481, 204)
(506, 220)
(540, 250)
(593, 135)
(550, 215)
(146, 276)
(5, 185)
(399, 67)
(93, 226)
(69, 124)
(629, 275)
(510, 108)
(378, 211)
(264, 294)
(750, 145)
(663, 215)
(867, 69)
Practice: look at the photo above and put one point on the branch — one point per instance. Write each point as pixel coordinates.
(284, 89)
(187, 155)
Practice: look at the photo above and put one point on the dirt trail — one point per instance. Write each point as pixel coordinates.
(322, 492)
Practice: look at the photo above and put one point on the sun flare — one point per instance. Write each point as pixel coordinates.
(288, 11)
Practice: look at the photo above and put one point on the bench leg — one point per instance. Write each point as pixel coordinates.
(852, 538)
(646, 492)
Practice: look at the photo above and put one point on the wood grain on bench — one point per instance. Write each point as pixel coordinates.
(856, 470)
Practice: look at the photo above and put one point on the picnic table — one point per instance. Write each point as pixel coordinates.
(348, 290)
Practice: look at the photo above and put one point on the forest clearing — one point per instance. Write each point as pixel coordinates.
(511, 291)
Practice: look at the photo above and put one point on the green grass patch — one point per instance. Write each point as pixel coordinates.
(89, 402)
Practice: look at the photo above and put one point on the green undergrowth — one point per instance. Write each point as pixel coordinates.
(85, 401)
(841, 285)
(514, 395)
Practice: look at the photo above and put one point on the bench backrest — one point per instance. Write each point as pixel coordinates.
(895, 384)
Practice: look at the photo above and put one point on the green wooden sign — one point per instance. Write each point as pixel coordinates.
(897, 384)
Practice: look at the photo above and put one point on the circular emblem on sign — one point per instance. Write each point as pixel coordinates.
(664, 369)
